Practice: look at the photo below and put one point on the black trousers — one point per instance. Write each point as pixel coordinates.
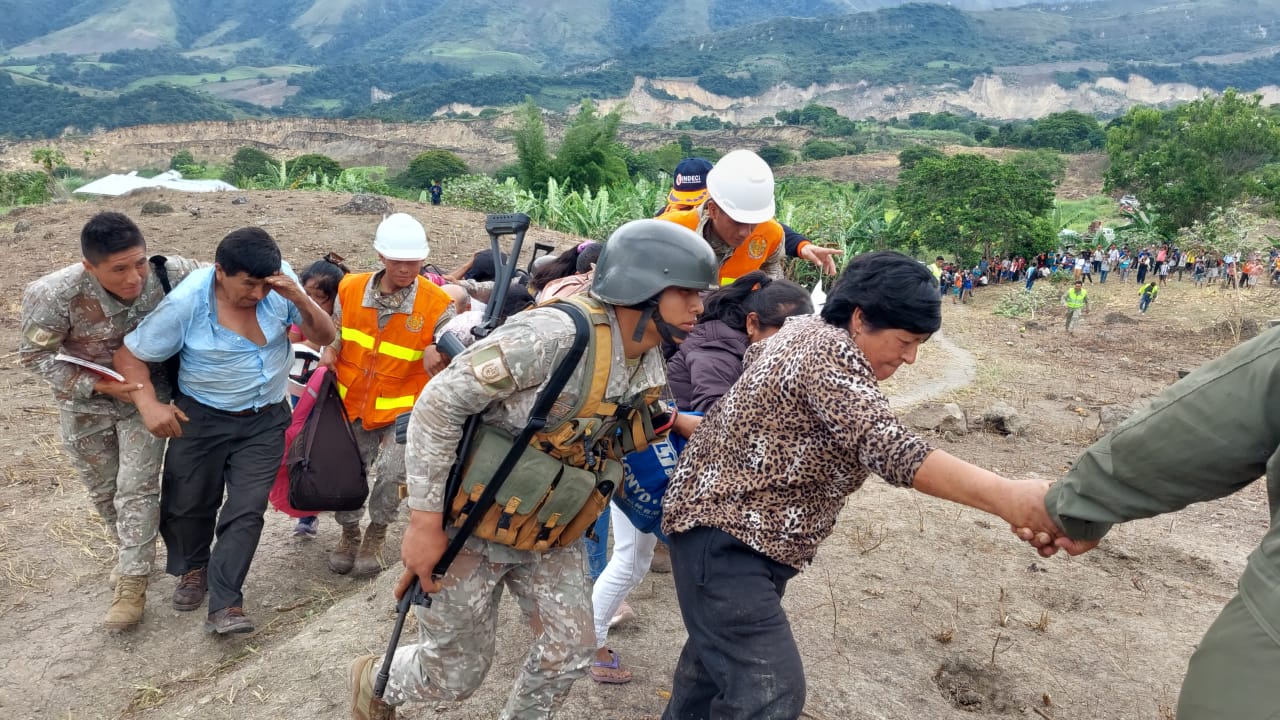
(740, 660)
(219, 452)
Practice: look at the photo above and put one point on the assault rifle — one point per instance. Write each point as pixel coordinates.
(497, 226)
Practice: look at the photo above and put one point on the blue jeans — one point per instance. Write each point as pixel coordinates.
(598, 549)
(1144, 303)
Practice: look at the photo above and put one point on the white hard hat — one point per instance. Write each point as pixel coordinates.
(741, 184)
(401, 237)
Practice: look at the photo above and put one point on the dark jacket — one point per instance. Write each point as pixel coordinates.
(706, 365)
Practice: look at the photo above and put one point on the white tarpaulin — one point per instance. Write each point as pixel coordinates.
(116, 185)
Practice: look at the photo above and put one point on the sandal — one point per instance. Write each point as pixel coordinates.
(611, 672)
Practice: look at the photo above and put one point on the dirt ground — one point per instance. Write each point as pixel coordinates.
(914, 608)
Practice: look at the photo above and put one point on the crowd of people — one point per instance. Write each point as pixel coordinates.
(1095, 264)
(665, 342)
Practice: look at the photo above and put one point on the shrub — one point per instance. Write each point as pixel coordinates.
(483, 193)
(304, 166)
(430, 166)
(24, 187)
(250, 164)
(181, 159)
(816, 149)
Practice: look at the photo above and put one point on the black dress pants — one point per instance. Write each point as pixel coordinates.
(740, 660)
(219, 452)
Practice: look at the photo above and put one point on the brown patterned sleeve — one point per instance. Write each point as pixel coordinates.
(859, 420)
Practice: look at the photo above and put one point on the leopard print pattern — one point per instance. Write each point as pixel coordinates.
(774, 460)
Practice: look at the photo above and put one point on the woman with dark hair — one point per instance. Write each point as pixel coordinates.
(709, 361)
(760, 483)
(568, 274)
(747, 311)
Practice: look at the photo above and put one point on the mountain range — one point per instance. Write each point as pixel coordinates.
(665, 61)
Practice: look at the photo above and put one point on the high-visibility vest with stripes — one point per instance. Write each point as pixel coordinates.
(1074, 301)
(380, 371)
(750, 255)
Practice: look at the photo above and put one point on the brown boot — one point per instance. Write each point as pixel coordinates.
(369, 559)
(364, 706)
(344, 556)
(191, 590)
(130, 599)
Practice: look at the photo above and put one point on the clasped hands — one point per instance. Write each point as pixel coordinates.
(1029, 520)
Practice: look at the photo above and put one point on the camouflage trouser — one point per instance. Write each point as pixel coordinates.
(384, 460)
(119, 462)
(456, 634)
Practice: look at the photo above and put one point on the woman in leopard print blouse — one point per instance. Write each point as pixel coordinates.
(763, 478)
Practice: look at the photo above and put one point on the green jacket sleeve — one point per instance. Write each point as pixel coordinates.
(1203, 438)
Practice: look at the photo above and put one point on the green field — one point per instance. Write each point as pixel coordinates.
(235, 73)
(481, 62)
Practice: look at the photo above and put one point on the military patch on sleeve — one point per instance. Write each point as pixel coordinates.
(40, 337)
(490, 368)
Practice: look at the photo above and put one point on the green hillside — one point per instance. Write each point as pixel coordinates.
(339, 54)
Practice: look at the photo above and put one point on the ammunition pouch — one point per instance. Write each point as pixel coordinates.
(542, 503)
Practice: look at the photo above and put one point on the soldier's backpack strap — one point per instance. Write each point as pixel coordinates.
(573, 439)
(159, 263)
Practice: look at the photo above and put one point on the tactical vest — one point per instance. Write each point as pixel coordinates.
(564, 479)
(750, 255)
(379, 370)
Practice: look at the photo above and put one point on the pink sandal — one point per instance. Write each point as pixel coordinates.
(603, 672)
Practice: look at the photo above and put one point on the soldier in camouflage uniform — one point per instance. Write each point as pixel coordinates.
(85, 310)
(650, 277)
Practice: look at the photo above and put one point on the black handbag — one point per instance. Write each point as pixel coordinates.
(326, 471)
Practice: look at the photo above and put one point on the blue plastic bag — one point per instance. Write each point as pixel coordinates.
(645, 479)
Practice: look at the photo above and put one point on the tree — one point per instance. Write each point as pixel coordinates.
(776, 155)
(430, 166)
(968, 204)
(816, 149)
(181, 159)
(913, 154)
(322, 165)
(590, 156)
(48, 158)
(534, 158)
(1045, 163)
(250, 164)
(1189, 160)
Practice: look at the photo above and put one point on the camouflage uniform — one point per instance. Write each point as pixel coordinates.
(501, 375)
(117, 458)
(383, 457)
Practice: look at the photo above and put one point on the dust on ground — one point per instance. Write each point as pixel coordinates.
(914, 608)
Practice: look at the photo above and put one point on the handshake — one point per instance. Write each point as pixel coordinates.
(1025, 511)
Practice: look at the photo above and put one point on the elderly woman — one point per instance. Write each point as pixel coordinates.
(762, 480)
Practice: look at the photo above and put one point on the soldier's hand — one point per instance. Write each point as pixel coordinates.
(121, 391)
(433, 360)
(164, 421)
(424, 544)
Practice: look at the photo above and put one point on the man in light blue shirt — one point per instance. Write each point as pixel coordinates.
(229, 327)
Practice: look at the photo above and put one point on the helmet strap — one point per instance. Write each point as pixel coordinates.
(670, 334)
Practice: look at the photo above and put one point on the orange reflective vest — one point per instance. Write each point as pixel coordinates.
(750, 255)
(380, 371)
